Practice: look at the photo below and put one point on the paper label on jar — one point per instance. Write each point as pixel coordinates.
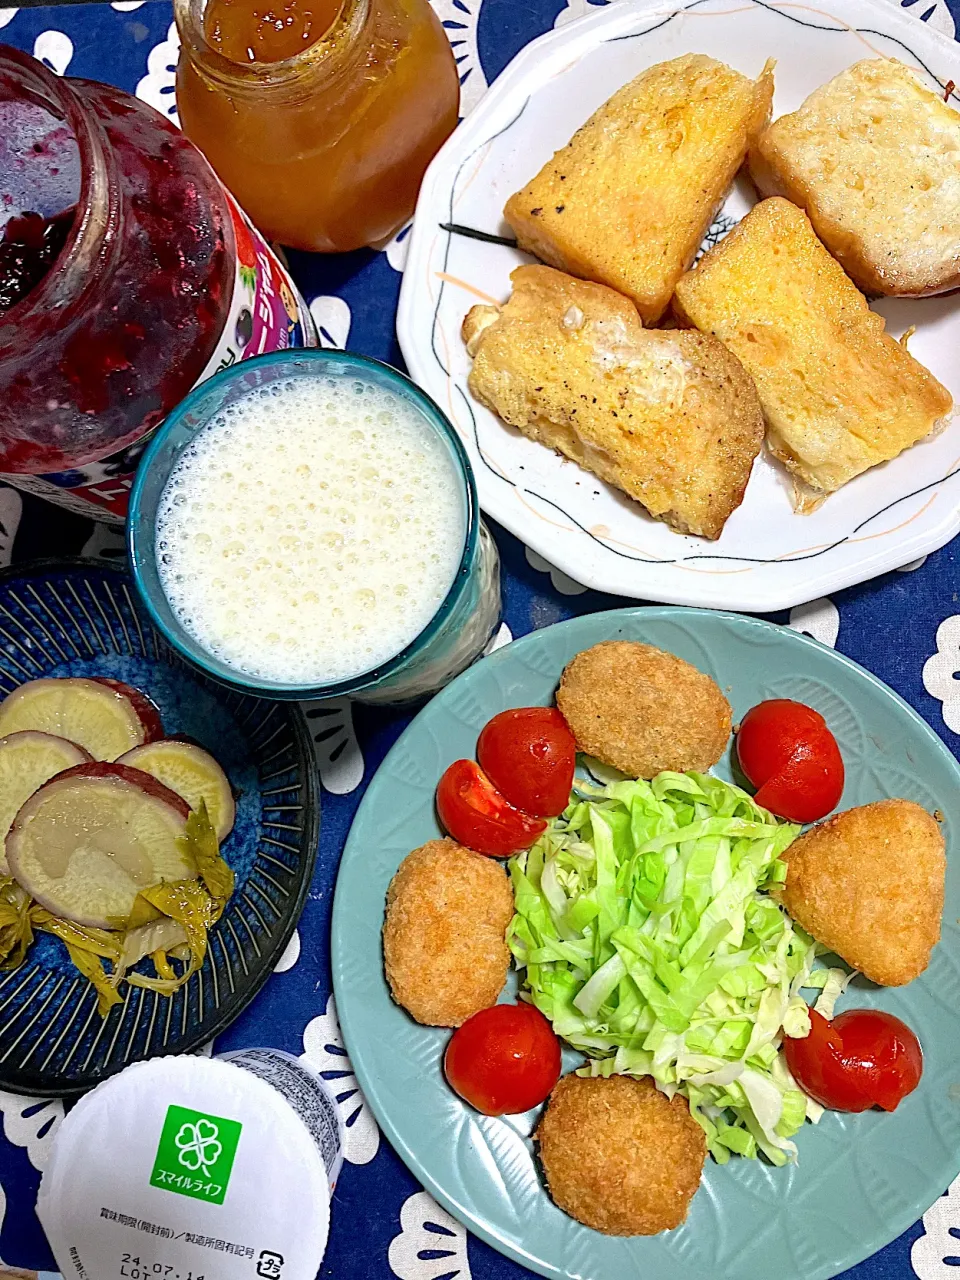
(266, 313)
(185, 1169)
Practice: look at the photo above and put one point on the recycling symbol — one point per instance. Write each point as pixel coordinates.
(199, 1146)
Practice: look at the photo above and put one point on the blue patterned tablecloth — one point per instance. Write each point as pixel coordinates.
(905, 627)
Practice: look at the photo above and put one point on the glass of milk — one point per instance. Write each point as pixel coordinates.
(305, 525)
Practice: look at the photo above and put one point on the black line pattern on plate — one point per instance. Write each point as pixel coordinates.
(452, 228)
(443, 284)
(471, 233)
(800, 22)
(721, 226)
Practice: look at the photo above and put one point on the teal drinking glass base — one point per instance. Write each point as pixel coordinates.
(463, 637)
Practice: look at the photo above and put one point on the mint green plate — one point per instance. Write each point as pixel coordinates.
(861, 1179)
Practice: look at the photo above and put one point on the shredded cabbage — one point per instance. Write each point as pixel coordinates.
(87, 948)
(647, 938)
(156, 938)
(833, 983)
(200, 842)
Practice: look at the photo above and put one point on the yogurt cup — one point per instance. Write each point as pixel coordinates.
(186, 1167)
(306, 1092)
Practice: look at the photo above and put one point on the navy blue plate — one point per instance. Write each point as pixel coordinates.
(81, 618)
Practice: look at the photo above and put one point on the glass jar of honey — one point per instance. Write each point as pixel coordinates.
(320, 116)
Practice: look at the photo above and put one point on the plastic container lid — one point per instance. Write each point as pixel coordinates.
(308, 1094)
(186, 1163)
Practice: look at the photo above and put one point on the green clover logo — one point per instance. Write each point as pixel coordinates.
(199, 1146)
(195, 1154)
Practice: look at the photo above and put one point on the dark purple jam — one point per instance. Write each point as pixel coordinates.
(28, 249)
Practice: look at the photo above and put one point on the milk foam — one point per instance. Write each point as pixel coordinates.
(310, 531)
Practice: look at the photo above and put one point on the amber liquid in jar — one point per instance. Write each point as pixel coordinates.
(261, 31)
(320, 116)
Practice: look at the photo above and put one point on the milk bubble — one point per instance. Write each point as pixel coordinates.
(288, 548)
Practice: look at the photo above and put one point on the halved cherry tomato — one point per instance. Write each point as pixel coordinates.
(885, 1048)
(503, 1060)
(476, 814)
(787, 751)
(863, 1058)
(529, 754)
(816, 1064)
(769, 734)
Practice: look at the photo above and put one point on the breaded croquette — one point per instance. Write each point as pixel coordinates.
(619, 1156)
(642, 710)
(869, 884)
(443, 937)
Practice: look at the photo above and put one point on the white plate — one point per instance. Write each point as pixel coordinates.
(768, 557)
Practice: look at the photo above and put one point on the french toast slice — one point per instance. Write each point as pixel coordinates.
(668, 416)
(629, 199)
(873, 157)
(838, 392)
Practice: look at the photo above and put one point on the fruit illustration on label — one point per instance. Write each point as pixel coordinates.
(246, 252)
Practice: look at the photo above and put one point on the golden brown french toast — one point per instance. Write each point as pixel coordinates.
(668, 416)
(874, 159)
(628, 200)
(838, 392)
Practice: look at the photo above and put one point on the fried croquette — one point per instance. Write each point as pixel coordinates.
(443, 937)
(868, 884)
(619, 1156)
(642, 710)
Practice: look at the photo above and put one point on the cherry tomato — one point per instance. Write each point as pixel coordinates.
(886, 1049)
(816, 1063)
(529, 754)
(769, 733)
(788, 753)
(863, 1058)
(476, 814)
(503, 1060)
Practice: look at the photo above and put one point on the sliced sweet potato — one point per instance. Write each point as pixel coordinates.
(193, 773)
(27, 760)
(91, 838)
(104, 717)
(147, 710)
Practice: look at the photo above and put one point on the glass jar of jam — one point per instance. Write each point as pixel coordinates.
(321, 116)
(127, 276)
